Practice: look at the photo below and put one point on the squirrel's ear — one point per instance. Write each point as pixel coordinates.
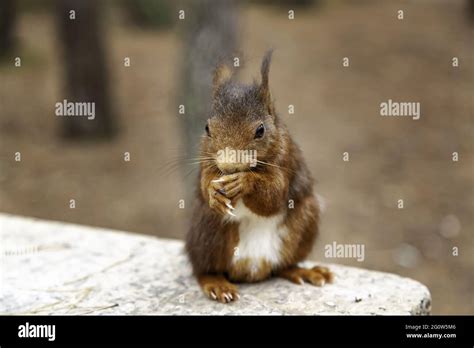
(264, 87)
(222, 74)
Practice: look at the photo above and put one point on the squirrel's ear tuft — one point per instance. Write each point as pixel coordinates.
(264, 87)
(266, 68)
(222, 74)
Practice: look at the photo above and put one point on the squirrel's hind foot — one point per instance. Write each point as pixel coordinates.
(218, 288)
(317, 275)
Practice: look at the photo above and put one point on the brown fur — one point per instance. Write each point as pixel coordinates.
(237, 111)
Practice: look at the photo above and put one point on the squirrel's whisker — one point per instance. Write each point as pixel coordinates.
(274, 165)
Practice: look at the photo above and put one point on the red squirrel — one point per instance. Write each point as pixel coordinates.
(253, 219)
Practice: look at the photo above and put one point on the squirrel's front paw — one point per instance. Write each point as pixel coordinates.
(231, 186)
(217, 200)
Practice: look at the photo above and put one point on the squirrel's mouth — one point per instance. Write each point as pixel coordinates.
(234, 169)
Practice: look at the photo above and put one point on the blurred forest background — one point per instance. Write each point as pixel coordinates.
(336, 110)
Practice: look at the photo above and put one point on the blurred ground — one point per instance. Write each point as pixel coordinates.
(337, 110)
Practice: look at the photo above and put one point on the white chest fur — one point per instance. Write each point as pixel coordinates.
(260, 238)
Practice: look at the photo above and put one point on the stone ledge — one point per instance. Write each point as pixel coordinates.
(57, 268)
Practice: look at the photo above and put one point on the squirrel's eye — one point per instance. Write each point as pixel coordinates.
(260, 131)
(207, 131)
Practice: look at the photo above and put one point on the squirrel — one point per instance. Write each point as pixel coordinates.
(253, 219)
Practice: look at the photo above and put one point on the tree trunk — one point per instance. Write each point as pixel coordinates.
(7, 26)
(86, 76)
(210, 35)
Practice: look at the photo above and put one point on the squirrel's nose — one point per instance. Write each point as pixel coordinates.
(230, 160)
